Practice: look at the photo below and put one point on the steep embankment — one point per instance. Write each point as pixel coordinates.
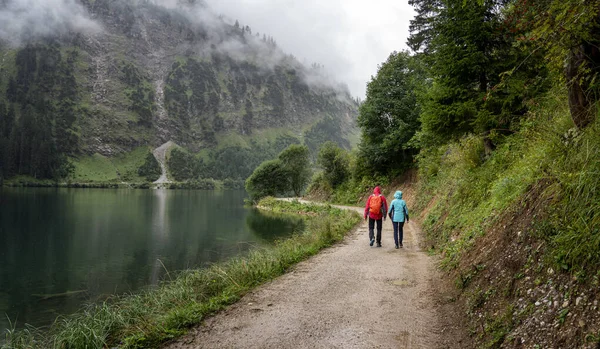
(519, 230)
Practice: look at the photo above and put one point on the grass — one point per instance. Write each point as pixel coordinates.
(149, 318)
(128, 164)
(94, 168)
(98, 168)
(548, 170)
(471, 191)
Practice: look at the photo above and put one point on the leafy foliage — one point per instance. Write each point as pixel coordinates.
(271, 178)
(566, 32)
(183, 166)
(468, 51)
(296, 161)
(290, 171)
(151, 169)
(335, 163)
(389, 115)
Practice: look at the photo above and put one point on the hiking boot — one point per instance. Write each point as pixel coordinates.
(379, 244)
(372, 242)
(397, 246)
(401, 245)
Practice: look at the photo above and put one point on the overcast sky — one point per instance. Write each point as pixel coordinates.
(349, 37)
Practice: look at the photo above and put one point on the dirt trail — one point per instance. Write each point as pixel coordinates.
(348, 296)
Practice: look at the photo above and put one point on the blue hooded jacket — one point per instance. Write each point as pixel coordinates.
(398, 206)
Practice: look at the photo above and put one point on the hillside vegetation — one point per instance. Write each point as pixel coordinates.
(496, 105)
(150, 74)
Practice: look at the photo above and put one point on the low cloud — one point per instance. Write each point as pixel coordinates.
(349, 37)
(22, 20)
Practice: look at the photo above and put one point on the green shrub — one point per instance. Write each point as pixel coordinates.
(335, 163)
(151, 169)
(271, 178)
(296, 160)
(182, 165)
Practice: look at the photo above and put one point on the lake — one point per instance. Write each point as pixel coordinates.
(61, 248)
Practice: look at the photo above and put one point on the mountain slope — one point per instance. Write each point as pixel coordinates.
(149, 74)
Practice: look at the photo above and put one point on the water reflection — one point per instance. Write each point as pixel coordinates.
(62, 247)
(263, 224)
(160, 231)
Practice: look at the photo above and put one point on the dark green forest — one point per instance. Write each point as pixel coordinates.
(37, 115)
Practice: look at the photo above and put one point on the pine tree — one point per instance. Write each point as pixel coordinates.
(247, 118)
(466, 50)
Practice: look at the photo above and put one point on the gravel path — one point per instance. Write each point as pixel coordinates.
(348, 296)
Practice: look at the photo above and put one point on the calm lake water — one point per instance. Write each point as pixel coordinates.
(60, 248)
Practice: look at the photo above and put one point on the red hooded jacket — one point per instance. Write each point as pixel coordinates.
(378, 215)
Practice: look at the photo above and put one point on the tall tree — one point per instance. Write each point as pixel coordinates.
(269, 179)
(247, 118)
(467, 49)
(296, 160)
(568, 33)
(389, 115)
(335, 163)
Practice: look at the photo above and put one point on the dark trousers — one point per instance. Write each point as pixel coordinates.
(398, 232)
(372, 227)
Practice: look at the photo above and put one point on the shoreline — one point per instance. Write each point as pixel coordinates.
(203, 184)
(156, 316)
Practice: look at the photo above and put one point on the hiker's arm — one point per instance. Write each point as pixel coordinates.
(385, 206)
(406, 212)
(367, 207)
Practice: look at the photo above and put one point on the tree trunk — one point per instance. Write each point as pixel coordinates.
(581, 97)
(488, 146)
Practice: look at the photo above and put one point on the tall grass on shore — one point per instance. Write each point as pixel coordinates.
(152, 317)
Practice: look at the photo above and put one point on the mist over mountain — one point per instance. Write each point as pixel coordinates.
(107, 77)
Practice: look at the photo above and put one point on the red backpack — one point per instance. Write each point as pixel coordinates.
(375, 204)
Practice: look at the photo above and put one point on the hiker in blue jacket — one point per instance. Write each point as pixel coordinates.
(398, 213)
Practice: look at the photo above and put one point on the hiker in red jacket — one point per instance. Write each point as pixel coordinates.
(376, 208)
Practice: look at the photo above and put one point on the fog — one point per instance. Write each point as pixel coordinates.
(349, 37)
(21, 20)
